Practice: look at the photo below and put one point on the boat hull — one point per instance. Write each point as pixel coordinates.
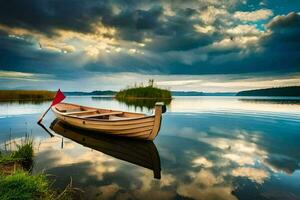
(128, 125)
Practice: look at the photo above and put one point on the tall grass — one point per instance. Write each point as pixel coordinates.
(24, 150)
(8, 95)
(20, 158)
(20, 185)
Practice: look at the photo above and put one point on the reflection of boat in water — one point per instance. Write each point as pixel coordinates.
(142, 153)
(126, 124)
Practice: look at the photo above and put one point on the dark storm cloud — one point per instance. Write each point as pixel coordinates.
(45, 16)
(283, 45)
(288, 21)
(178, 33)
(180, 42)
(173, 33)
(24, 56)
(133, 24)
(136, 19)
(280, 52)
(286, 31)
(176, 46)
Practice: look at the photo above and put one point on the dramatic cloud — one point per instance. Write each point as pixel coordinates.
(46, 16)
(67, 39)
(254, 15)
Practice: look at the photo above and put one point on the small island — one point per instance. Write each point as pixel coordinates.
(144, 95)
(291, 91)
(144, 92)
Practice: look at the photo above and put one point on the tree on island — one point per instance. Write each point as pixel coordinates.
(151, 82)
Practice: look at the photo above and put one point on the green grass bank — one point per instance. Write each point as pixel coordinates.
(17, 183)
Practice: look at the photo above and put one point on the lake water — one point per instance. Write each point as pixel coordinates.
(207, 148)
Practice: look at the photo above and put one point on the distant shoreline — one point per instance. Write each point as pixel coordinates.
(174, 93)
(44, 95)
(292, 91)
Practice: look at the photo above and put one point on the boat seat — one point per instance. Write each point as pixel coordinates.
(101, 114)
(80, 112)
(112, 117)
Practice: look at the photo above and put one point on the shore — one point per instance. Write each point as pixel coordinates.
(16, 180)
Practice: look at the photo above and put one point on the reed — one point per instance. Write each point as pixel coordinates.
(24, 151)
(9, 95)
(21, 157)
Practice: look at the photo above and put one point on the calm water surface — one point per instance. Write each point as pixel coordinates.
(208, 148)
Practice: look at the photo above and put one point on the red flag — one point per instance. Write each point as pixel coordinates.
(58, 98)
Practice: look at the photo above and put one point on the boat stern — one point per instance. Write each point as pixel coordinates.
(160, 108)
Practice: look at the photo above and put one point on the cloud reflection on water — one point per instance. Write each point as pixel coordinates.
(204, 155)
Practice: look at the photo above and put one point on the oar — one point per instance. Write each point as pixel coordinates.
(43, 115)
(57, 99)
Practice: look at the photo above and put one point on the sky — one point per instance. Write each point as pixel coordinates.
(194, 45)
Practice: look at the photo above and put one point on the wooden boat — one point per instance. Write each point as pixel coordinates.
(112, 122)
(138, 152)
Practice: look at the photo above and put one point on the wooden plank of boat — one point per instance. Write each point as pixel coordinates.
(80, 112)
(127, 124)
(101, 114)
